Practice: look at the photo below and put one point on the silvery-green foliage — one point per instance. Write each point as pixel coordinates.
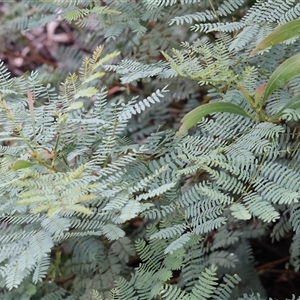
(77, 164)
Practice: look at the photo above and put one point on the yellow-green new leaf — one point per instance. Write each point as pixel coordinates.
(80, 209)
(194, 116)
(75, 105)
(93, 77)
(105, 59)
(287, 70)
(279, 35)
(84, 198)
(89, 92)
(21, 164)
(44, 207)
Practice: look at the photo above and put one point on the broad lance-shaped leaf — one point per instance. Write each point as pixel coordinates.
(195, 115)
(259, 93)
(294, 103)
(247, 96)
(279, 35)
(21, 164)
(287, 70)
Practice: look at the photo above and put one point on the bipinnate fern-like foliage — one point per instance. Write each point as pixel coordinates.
(78, 164)
(53, 174)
